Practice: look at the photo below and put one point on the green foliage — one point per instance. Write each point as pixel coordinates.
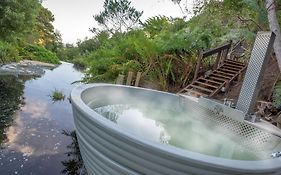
(57, 95)
(8, 53)
(164, 49)
(23, 26)
(277, 95)
(38, 53)
(17, 18)
(118, 16)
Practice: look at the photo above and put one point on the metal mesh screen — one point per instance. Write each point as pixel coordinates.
(251, 85)
(249, 137)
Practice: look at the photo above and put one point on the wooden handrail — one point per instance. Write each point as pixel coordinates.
(221, 51)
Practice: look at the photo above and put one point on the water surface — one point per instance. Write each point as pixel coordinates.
(179, 128)
(31, 137)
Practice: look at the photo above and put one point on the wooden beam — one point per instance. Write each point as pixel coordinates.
(234, 62)
(129, 78)
(232, 65)
(192, 92)
(225, 73)
(201, 88)
(228, 70)
(218, 79)
(216, 50)
(210, 81)
(138, 79)
(222, 76)
(205, 84)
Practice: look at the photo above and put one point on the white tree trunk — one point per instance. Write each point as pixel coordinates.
(271, 7)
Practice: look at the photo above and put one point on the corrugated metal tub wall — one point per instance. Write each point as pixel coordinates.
(108, 149)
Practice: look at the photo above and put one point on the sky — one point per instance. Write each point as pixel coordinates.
(73, 18)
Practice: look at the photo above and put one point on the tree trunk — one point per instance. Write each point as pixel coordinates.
(271, 7)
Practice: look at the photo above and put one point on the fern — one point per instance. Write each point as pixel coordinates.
(277, 95)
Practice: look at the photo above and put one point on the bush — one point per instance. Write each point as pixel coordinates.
(277, 95)
(8, 53)
(38, 53)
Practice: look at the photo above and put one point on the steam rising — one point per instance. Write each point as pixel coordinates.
(167, 119)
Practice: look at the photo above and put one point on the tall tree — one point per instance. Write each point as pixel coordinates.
(271, 6)
(17, 17)
(44, 27)
(117, 16)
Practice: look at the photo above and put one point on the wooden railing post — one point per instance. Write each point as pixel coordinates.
(129, 78)
(217, 62)
(138, 79)
(120, 79)
(198, 66)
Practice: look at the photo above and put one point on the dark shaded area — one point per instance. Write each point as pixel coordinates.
(11, 91)
(74, 165)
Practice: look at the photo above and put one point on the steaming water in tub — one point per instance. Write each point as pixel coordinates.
(174, 126)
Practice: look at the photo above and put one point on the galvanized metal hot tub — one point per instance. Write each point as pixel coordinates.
(107, 147)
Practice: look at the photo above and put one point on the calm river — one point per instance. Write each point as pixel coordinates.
(32, 137)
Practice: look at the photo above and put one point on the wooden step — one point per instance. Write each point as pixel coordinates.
(218, 79)
(232, 65)
(234, 62)
(205, 84)
(227, 70)
(201, 88)
(229, 67)
(222, 76)
(192, 92)
(219, 83)
(225, 73)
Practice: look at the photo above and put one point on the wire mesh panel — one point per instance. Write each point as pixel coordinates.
(252, 81)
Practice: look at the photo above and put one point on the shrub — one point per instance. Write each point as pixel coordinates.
(8, 53)
(276, 96)
(38, 53)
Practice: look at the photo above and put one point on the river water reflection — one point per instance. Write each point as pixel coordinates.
(31, 137)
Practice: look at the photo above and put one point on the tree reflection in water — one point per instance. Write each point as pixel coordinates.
(11, 91)
(74, 165)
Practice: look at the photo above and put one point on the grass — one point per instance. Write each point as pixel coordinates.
(57, 95)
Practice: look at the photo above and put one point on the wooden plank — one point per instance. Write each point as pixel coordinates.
(216, 50)
(205, 84)
(218, 79)
(234, 62)
(195, 92)
(210, 81)
(228, 71)
(201, 88)
(197, 66)
(222, 76)
(217, 90)
(232, 65)
(225, 73)
(120, 79)
(229, 67)
(129, 78)
(138, 79)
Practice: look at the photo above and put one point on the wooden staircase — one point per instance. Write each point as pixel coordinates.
(217, 80)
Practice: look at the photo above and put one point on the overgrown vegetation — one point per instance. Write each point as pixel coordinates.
(277, 95)
(165, 49)
(26, 32)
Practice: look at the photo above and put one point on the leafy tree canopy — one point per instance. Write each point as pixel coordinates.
(17, 17)
(117, 16)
